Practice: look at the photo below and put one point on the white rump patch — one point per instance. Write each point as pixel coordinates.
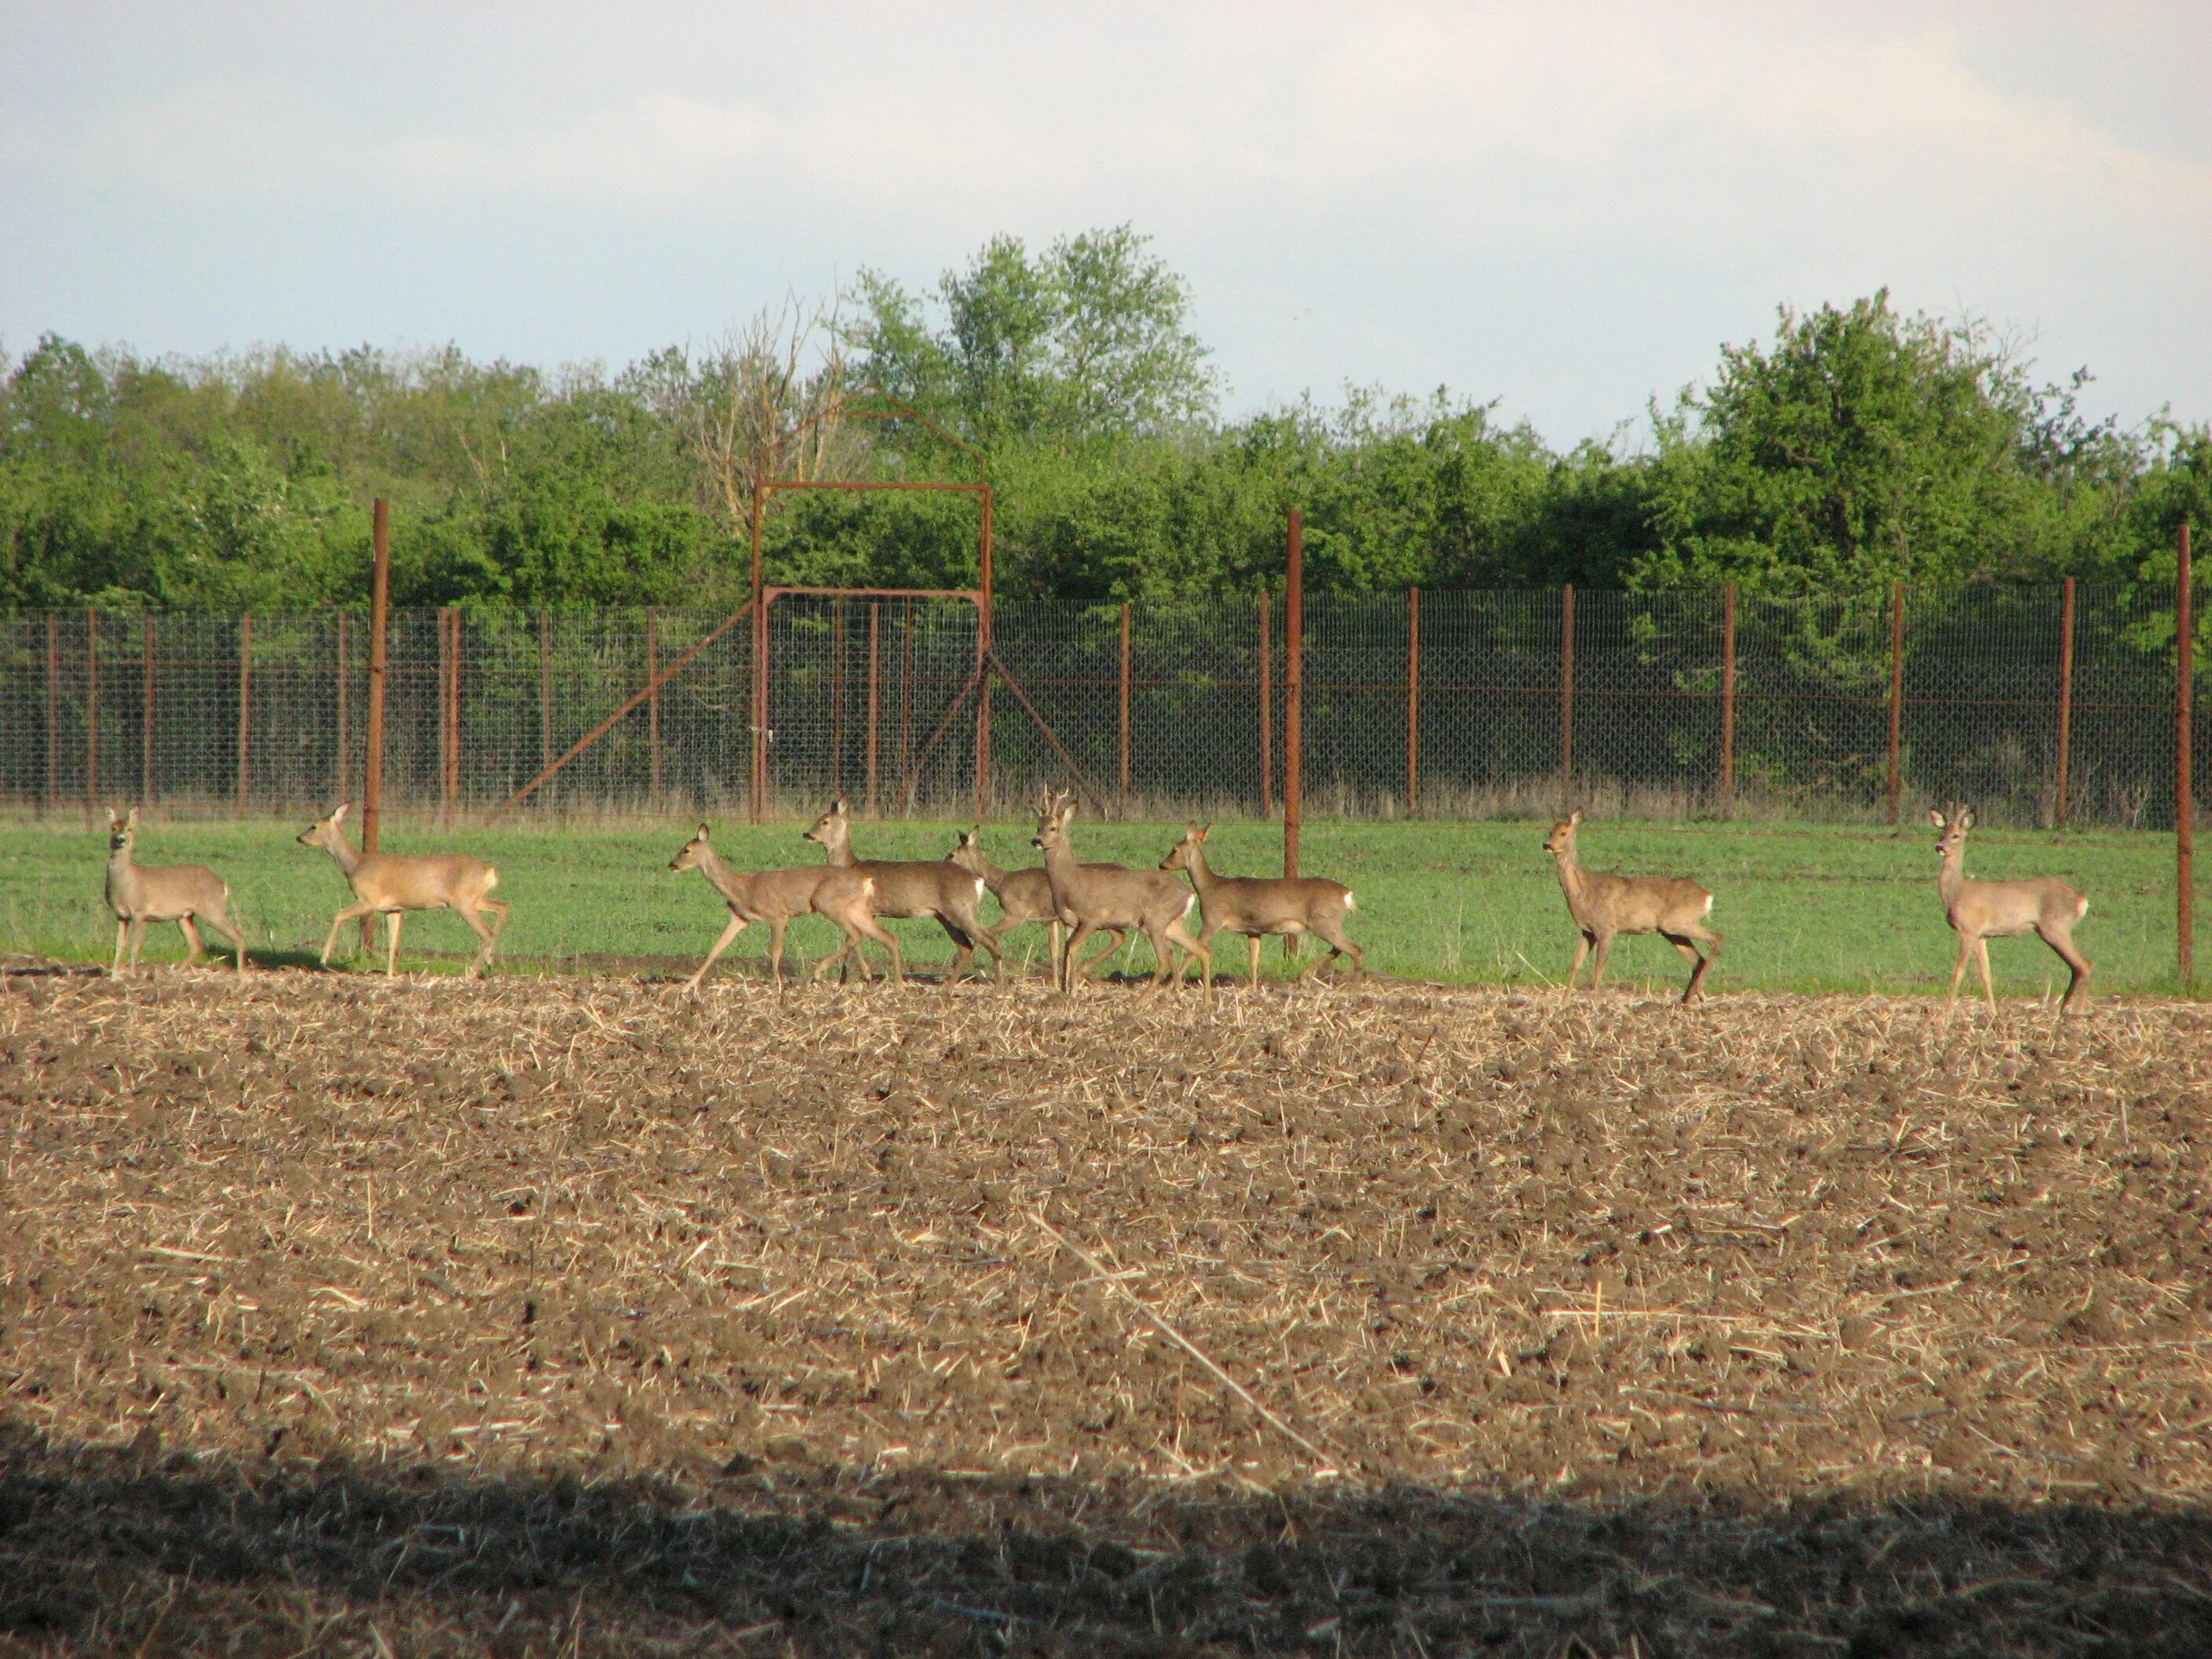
(1349, 904)
(979, 887)
(1189, 904)
(2082, 910)
(1708, 904)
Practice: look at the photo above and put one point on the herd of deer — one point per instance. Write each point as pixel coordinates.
(857, 895)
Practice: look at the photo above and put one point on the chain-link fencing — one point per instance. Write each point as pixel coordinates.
(2039, 706)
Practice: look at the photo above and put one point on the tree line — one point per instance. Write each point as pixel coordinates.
(1859, 446)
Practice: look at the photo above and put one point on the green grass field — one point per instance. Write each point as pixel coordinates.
(1803, 908)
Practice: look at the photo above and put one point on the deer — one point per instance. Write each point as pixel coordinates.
(1091, 899)
(906, 890)
(1980, 911)
(1023, 896)
(390, 883)
(1256, 906)
(775, 897)
(185, 893)
(1605, 907)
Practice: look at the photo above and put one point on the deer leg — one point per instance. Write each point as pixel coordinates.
(1958, 973)
(229, 929)
(1981, 956)
(1340, 944)
(1604, 950)
(875, 930)
(729, 937)
(137, 942)
(1202, 948)
(1115, 939)
(1581, 951)
(1697, 963)
(391, 943)
(2078, 963)
(122, 931)
(469, 914)
(1252, 941)
(776, 927)
(963, 948)
(351, 912)
(195, 947)
(1080, 931)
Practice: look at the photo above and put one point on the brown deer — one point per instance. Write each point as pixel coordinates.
(1256, 906)
(1605, 907)
(1023, 896)
(1980, 911)
(906, 890)
(182, 893)
(775, 897)
(388, 884)
(1089, 899)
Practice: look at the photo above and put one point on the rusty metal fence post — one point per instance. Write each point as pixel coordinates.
(1567, 699)
(1896, 701)
(245, 712)
(380, 621)
(1294, 637)
(1412, 702)
(1125, 708)
(2185, 781)
(653, 703)
(1728, 701)
(2065, 702)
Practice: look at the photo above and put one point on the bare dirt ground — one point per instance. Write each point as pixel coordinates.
(531, 1317)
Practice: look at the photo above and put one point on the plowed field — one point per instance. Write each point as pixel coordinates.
(529, 1316)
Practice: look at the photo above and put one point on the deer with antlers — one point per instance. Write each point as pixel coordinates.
(390, 884)
(1980, 911)
(775, 897)
(1094, 898)
(1256, 906)
(909, 889)
(185, 893)
(1605, 907)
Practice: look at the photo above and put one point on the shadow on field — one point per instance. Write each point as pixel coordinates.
(127, 1550)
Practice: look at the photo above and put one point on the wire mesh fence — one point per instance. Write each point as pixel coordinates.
(2039, 706)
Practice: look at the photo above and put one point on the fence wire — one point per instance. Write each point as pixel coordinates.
(1468, 703)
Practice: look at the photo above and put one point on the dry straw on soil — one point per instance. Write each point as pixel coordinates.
(505, 1317)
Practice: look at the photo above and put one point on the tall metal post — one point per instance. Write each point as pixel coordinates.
(380, 620)
(2185, 781)
(1125, 708)
(1294, 639)
(1567, 698)
(1413, 700)
(91, 711)
(875, 629)
(2065, 700)
(1896, 701)
(760, 672)
(653, 702)
(1267, 712)
(983, 619)
(1728, 701)
(146, 711)
(244, 711)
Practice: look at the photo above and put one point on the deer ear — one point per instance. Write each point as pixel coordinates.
(339, 812)
(1935, 818)
(1575, 818)
(130, 819)
(1966, 819)
(702, 832)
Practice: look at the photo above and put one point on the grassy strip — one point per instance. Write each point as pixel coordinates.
(1804, 908)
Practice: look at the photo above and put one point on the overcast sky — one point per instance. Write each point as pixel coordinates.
(1567, 208)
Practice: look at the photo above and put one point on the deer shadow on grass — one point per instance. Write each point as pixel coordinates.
(130, 1549)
